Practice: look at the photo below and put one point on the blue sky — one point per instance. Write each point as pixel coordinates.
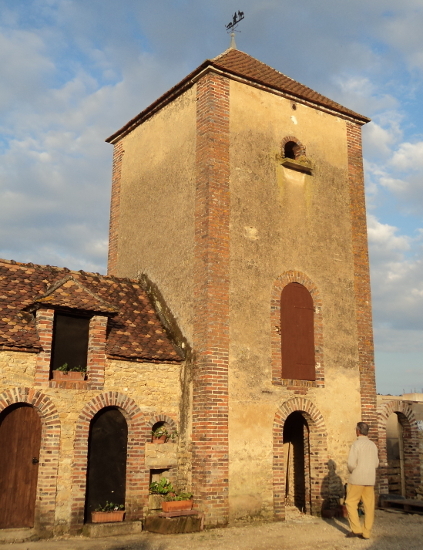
(74, 71)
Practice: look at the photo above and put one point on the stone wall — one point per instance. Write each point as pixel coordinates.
(145, 393)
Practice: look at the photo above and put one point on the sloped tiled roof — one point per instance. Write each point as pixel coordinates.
(243, 65)
(69, 293)
(239, 64)
(134, 329)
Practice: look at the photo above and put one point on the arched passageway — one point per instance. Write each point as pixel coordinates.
(297, 461)
(107, 457)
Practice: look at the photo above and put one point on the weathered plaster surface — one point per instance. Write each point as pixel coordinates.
(156, 223)
(283, 220)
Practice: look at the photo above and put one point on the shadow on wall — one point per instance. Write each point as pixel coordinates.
(332, 492)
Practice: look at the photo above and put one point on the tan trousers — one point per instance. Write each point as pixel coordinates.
(365, 493)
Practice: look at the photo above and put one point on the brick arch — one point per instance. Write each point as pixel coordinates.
(49, 451)
(162, 418)
(410, 436)
(318, 455)
(137, 477)
(275, 321)
(286, 139)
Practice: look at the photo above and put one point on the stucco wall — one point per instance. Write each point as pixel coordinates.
(156, 221)
(154, 388)
(283, 220)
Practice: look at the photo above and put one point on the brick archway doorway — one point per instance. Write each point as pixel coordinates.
(107, 457)
(20, 442)
(296, 445)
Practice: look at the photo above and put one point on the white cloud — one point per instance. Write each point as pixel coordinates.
(397, 283)
(73, 72)
(383, 236)
(408, 157)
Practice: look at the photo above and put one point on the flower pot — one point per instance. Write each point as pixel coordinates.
(69, 375)
(161, 439)
(107, 517)
(175, 505)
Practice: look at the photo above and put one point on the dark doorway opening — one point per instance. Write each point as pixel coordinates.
(297, 460)
(107, 453)
(395, 454)
(20, 441)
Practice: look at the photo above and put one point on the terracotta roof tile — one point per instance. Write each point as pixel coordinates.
(69, 293)
(134, 329)
(241, 65)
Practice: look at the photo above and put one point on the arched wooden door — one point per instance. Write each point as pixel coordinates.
(20, 441)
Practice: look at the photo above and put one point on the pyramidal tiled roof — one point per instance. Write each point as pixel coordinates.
(134, 329)
(239, 64)
(243, 65)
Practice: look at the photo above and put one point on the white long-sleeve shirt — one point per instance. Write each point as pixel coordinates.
(363, 461)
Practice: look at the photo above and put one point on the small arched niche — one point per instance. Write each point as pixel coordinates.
(293, 155)
(161, 432)
(292, 150)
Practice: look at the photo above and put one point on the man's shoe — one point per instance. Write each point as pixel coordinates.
(352, 535)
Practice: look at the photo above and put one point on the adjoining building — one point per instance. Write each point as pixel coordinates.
(236, 312)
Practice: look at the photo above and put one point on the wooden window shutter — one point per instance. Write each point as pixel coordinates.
(297, 331)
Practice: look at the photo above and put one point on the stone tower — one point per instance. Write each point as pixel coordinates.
(239, 193)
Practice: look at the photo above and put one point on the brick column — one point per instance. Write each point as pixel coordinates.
(211, 300)
(114, 209)
(363, 302)
(96, 358)
(44, 319)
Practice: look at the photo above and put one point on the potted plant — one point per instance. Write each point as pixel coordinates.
(158, 490)
(110, 512)
(161, 487)
(64, 372)
(177, 501)
(162, 434)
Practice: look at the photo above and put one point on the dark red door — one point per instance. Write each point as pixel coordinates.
(20, 439)
(297, 329)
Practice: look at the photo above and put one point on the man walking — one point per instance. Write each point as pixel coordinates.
(362, 464)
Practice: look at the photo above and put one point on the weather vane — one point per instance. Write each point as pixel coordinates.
(237, 17)
(231, 26)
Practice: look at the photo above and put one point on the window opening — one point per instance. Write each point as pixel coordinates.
(292, 150)
(70, 341)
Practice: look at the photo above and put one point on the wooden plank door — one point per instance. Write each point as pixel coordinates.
(20, 440)
(297, 329)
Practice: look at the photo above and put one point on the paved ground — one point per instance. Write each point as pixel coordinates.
(393, 531)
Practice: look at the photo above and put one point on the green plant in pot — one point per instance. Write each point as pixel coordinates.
(108, 513)
(64, 372)
(163, 434)
(178, 501)
(161, 487)
(66, 368)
